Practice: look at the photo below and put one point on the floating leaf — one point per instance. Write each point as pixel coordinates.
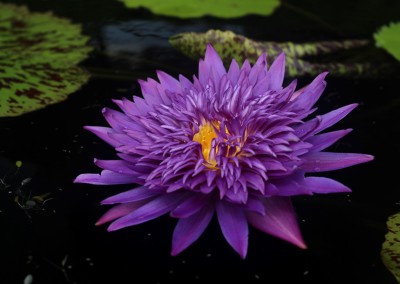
(39, 52)
(199, 8)
(388, 38)
(230, 45)
(390, 253)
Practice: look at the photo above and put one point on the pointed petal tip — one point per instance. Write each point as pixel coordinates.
(176, 250)
(80, 179)
(113, 227)
(301, 245)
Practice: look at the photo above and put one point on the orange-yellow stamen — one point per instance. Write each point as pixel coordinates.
(205, 137)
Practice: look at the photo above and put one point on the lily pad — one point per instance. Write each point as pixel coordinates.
(388, 38)
(200, 8)
(230, 45)
(390, 253)
(38, 58)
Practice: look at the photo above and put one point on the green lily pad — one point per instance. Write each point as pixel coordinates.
(200, 8)
(390, 253)
(230, 45)
(388, 38)
(38, 58)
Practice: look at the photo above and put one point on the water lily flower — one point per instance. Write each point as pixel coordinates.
(230, 143)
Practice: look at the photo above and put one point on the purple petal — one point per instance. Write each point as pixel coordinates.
(104, 134)
(276, 73)
(233, 72)
(213, 61)
(233, 223)
(169, 82)
(322, 122)
(279, 220)
(328, 161)
(310, 94)
(147, 212)
(116, 119)
(324, 185)
(106, 178)
(118, 166)
(190, 206)
(119, 211)
(323, 141)
(136, 194)
(189, 229)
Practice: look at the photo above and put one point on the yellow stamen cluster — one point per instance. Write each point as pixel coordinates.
(205, 136)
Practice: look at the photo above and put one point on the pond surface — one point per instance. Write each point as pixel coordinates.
(58, 241)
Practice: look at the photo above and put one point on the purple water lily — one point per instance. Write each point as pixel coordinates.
(231, 142)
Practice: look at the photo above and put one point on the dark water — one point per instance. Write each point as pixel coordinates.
(58, 242)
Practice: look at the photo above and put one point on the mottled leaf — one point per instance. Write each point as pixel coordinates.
(230, 45)
(388, 38)
(38, 57)
(391, 247)
(200, 8)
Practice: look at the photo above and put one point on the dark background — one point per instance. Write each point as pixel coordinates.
(59, 243)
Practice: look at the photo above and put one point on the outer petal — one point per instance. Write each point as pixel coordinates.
(310, 94)
(212, 63)
(233, 223)
(147, 212)
(136, 194)
(279, 220)
(322, 122)
(189, 229)
(104, 134)
(119, 211)
(324, 185)
(190, 206)
(276, 73)
(328, 161)
(106, 178)
(323, 141)
(119, 166)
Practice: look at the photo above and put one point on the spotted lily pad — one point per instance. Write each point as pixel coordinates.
(38, 57)
(390, 253)
(388, 38)
(199, 8)
(230, 45)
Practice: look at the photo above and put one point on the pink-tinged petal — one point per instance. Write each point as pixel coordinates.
(119, 211)
(106, 178)
(151, 210)
(328, 161)
(276, 73)
(190, 206)
(324, 185)
(323, 141)
(189, 229)
(104, 134)
(233, 223)
(310, 94)
(136, 194)
(279, 220)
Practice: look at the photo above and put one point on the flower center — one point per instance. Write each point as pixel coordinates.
(205, 137)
